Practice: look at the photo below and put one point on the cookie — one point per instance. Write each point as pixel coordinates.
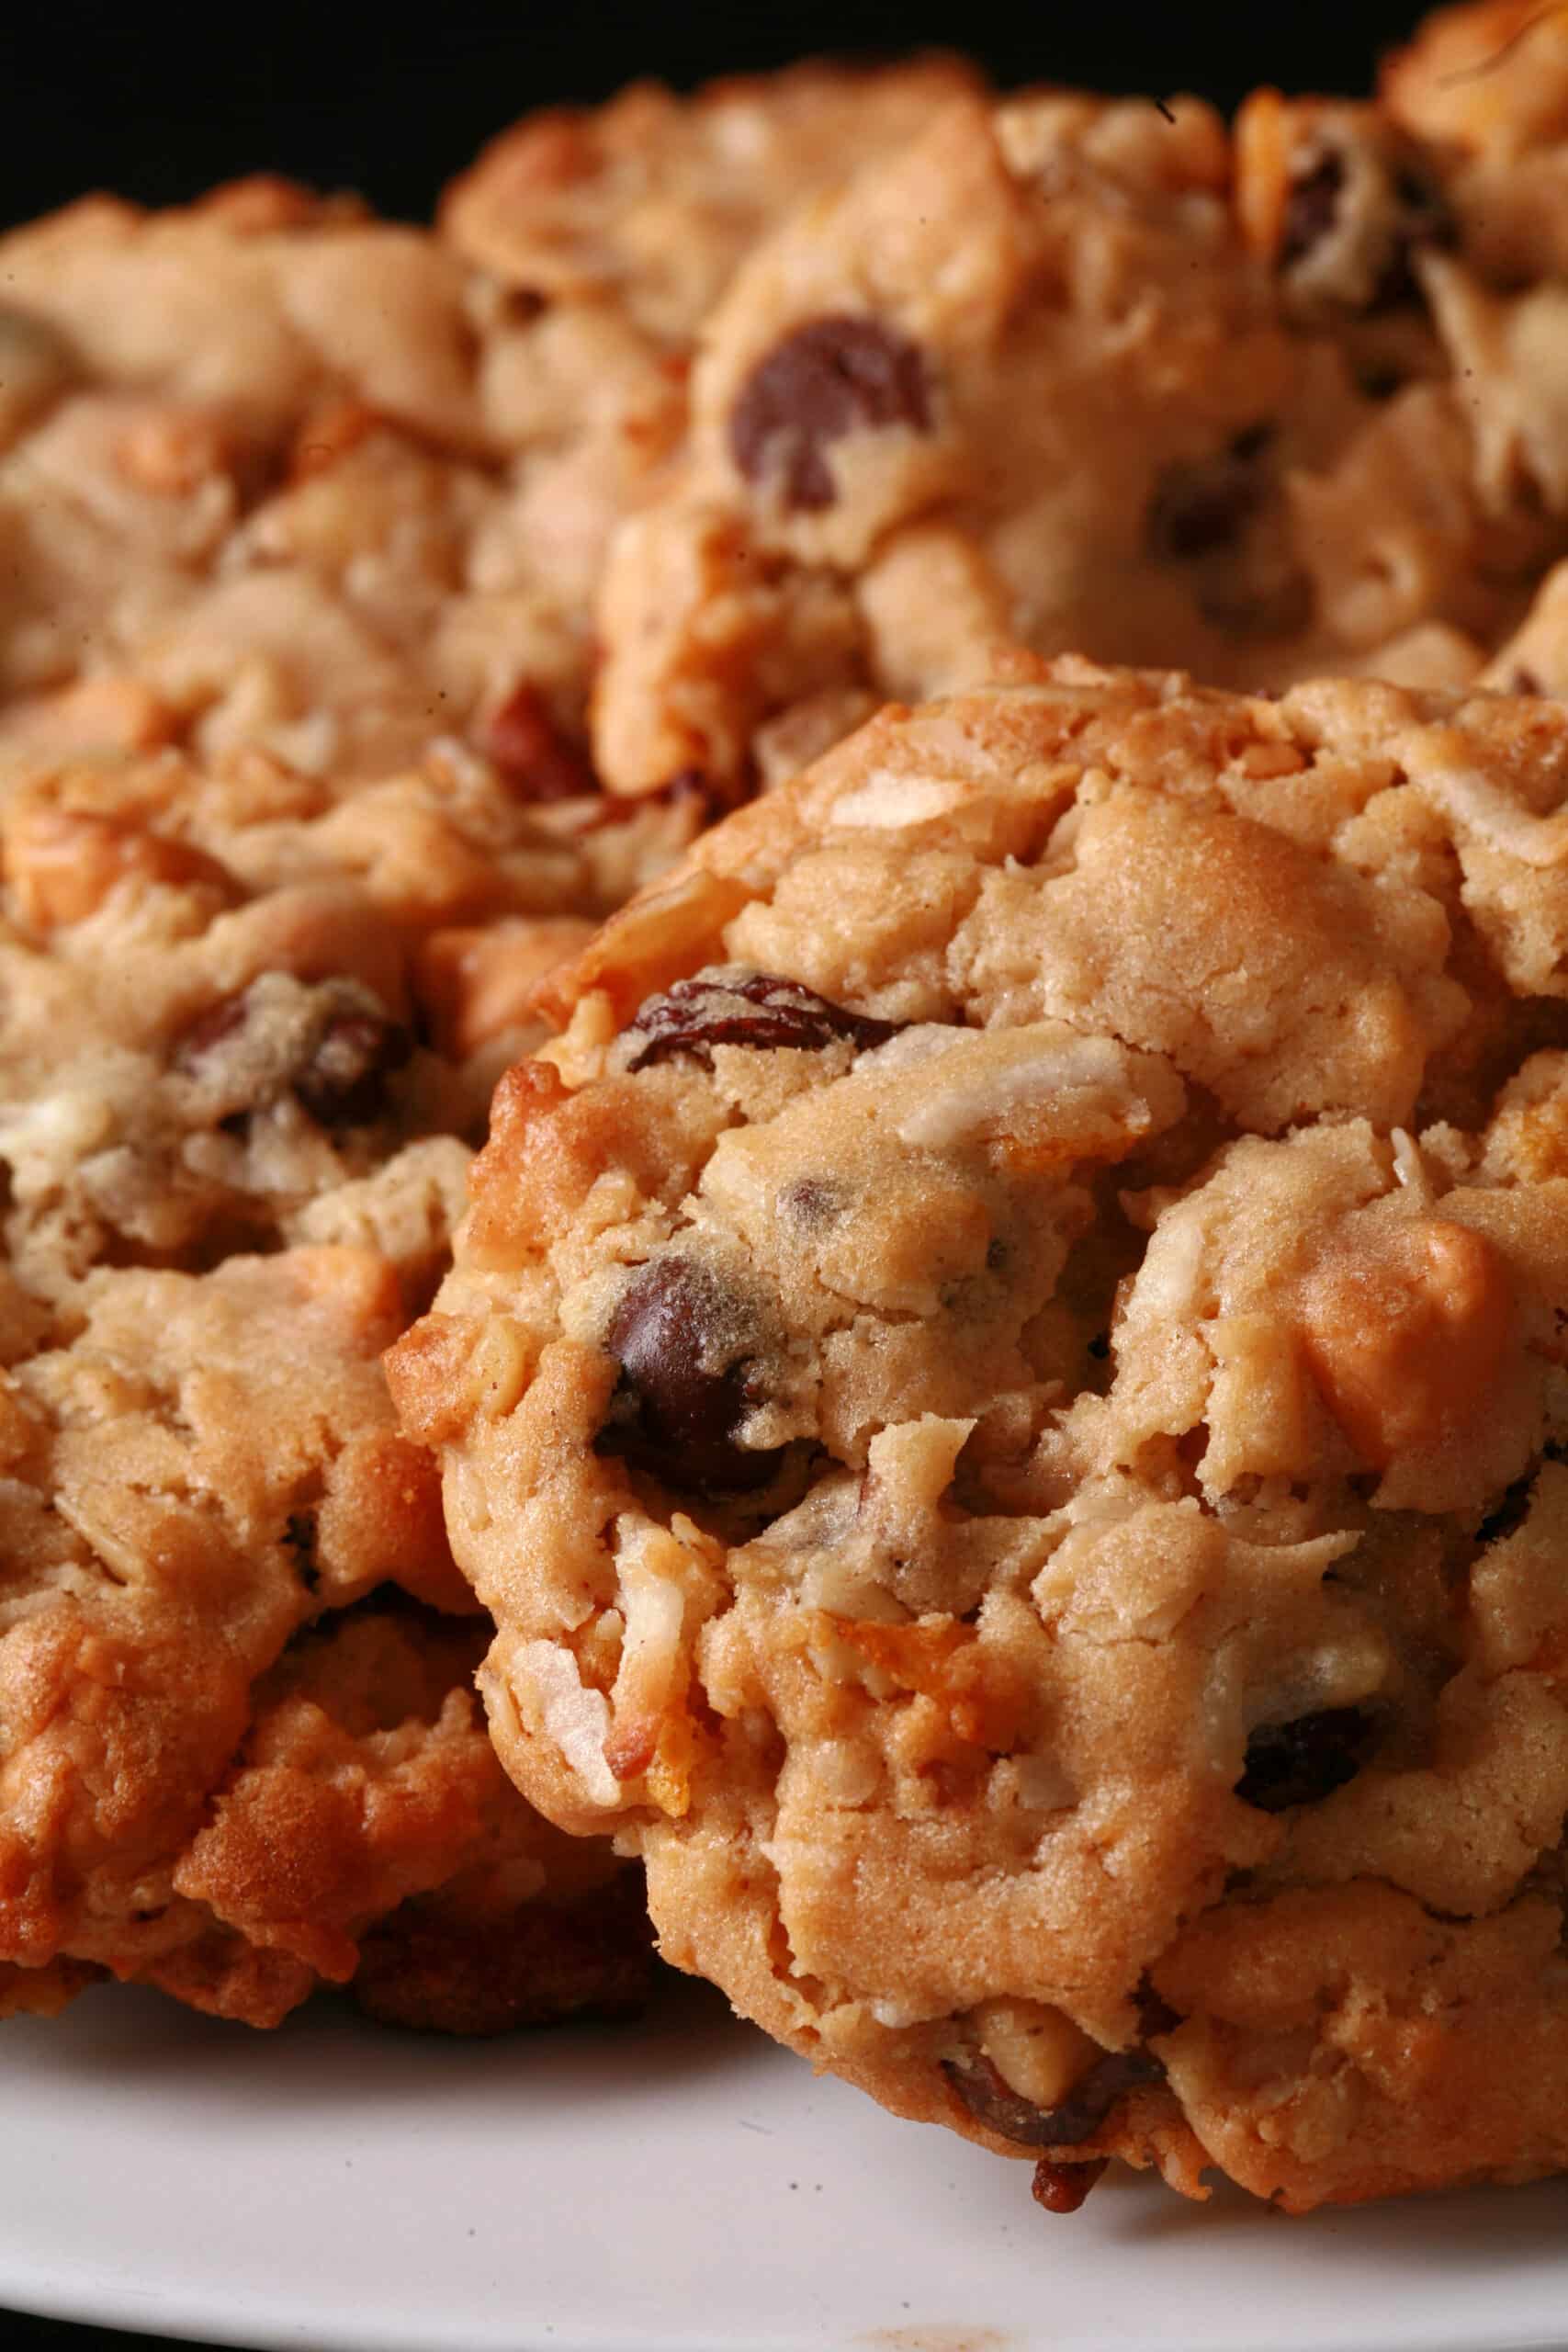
(229, 990)
(1067, 373)
(1003, 1384)
(242, 1741)
(299, 516)
(647, 204)
(274, 474)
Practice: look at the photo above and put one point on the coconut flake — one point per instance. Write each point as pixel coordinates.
(574, 1717)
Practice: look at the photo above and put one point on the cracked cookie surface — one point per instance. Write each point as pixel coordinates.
(1003, 1384)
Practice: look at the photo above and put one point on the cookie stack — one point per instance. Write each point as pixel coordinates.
(992, 1405)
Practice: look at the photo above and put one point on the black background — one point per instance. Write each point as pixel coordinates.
(159, 103)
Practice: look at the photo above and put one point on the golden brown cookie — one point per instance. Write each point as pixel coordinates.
(1003, 1384)
(1271, 401)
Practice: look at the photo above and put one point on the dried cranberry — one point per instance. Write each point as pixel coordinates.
(834, 376)
(674, 1414)
(1062, 2189)
(1079, 2115)
(697, 1014)
(1303, 1761)
(535, 758)
(344, 1084)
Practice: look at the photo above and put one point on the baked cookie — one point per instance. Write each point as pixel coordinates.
(276, 474)
(1068, 372)
(298, 518)
(246, 1009)
(647, 204)
(226, 991)
(1003, 1384)
(242, 1754)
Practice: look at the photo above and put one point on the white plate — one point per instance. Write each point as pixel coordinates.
(680, 2187)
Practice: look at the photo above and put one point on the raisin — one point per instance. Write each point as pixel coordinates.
(533, 758)
(1421, 217)
(746, 1009)
(1311, 209)
(1303, 1761)
(672, 1414)
(1078, 2117)
(1062, 2189)
(834, 376)
(344, 1084)
(1406, 211)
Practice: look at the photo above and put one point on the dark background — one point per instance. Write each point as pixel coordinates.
(160, 102)
(157, 102)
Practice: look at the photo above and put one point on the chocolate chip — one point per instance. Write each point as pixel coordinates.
(1062, 2189)
(1202, 508)
(1311, 209)
(674, 1412)
(1303, 1761)
(535, 761)
(344, 1084)
(832, 377)
(1078, 2119)
(756, 1009)
(1524, 681)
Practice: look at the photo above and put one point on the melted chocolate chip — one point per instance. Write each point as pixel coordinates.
(344, 1084)
(1062, 2189)
(1078, 2117)
(535, 761)
(1311, 209)
(672, 1414)
(697, 1014)
(835, 376)
(1303, 1761)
